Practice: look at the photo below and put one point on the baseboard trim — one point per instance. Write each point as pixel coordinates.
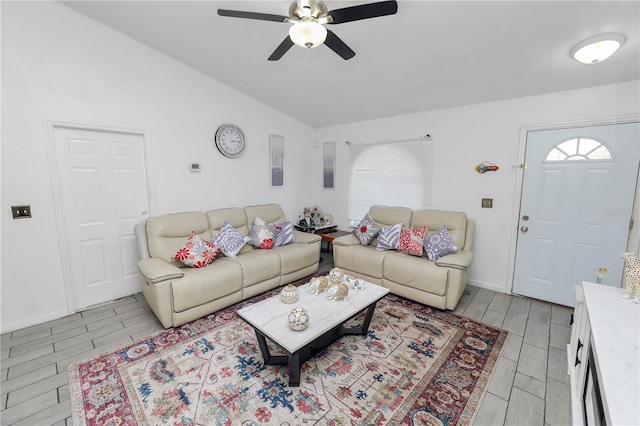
(489, 286)
(31, 321)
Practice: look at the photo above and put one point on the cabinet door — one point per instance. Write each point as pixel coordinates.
(582, 353)
(579, 319)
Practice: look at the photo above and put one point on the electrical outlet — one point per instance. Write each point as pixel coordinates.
(21, 212)
(487, 203)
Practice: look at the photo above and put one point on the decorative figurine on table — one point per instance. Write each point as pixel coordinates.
(306, 220)
(336, 275)
(632, 276)
(318, 285)
(355, 283)
(338, 291)
(289, 294)
(298, 319)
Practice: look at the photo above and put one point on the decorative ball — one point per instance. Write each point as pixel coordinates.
(298, 319)
(336, 275)
(289, 294)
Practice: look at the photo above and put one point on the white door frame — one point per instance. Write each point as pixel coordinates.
(50, 126)
(517, 199)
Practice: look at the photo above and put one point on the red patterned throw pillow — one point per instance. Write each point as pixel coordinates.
(412, 240)
(196, 252)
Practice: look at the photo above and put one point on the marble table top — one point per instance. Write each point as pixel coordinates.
(615, 333)
(270, 315)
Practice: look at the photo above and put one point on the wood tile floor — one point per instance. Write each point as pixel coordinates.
(529, 386)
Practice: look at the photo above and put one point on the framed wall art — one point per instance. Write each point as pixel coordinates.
(276, 160)
(329, 165)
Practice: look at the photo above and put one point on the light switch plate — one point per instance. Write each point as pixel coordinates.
(487, 203)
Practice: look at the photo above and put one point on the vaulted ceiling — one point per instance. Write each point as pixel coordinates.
(430, 55)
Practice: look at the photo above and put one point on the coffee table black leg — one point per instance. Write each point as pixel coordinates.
(262, 342)
(294, 369)
(367, 319)
(292, 360)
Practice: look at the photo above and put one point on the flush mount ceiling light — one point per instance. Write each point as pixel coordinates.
(308, 33)
(597, 49)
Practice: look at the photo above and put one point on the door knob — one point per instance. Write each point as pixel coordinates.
(524, 229)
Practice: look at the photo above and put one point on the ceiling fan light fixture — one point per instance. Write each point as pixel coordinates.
(597, 49)
(308, 34)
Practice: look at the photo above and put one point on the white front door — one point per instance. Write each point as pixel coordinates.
(102, 194)
(577, 197)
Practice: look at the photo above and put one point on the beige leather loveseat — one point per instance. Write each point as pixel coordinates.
(439, 284)
(179, 294)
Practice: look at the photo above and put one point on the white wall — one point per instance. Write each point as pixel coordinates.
(60, 65)
(464, 137)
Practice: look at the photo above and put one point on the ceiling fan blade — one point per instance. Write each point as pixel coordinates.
(252, 15)
(337, 45)
(363, 11)
(281, 49)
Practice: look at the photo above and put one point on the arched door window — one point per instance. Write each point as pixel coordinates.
(579, 149)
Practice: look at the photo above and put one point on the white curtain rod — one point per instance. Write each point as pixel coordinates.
(426, 137)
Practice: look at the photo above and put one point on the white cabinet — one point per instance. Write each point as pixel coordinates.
(603, 357)
(577, 355)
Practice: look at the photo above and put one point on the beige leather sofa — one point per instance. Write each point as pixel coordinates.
(179, 294)
(439, 284)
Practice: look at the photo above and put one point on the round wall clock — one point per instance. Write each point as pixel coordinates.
(230, 140)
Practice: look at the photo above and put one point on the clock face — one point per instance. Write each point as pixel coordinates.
(230, 141)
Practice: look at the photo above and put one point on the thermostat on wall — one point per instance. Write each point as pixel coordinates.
(194, 167)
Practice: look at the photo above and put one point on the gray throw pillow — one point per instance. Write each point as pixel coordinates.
(284, 233)
(366, 230)
(230, 240)
(389, 237)
(439, 244)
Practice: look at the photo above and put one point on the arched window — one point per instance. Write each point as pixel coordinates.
(579, 149)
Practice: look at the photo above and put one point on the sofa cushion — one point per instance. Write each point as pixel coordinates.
(258, 266)
(262, 235)
(167, 233)
(439, 244)
(415, 272)
(412, 240)
(363, 259)
(297, 256)
(389, 237)
(386, 215)
(196, 252)
(366, 230)
(200, 286)
(284, 233)
(230, 240)
(270, 213)
(456, 223)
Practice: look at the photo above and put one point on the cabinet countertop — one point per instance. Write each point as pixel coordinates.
(615, 333)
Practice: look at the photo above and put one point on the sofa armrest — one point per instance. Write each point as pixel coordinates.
(346, 240)
(157, 270)
(459, 260)
(305, 237)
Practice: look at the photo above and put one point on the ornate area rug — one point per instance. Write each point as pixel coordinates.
(417, 365)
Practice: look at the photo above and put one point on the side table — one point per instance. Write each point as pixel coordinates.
(314, 229)
(329, 235)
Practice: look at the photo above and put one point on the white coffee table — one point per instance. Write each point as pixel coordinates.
(326, 318)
